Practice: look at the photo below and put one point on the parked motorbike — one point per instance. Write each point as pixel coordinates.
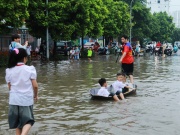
(175, 49)
(117, 50)
(168, 51)
(103, 51)
(158, 51)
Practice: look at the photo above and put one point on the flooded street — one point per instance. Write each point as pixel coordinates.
(65, 106)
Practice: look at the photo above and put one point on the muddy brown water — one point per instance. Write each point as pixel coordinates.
(65, 106)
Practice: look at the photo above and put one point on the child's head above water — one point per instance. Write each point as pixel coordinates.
(121, 77)
(16, 56)
(103, 82)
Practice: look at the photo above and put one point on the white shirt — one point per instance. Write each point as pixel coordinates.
(103, 92)
(16, 45)
(117, 86)
(28, 50)
(72, 52)
(21, 92)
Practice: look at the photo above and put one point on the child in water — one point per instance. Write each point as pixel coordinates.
(120, 84)
(90, 52)
(23, 90)
(103, 91)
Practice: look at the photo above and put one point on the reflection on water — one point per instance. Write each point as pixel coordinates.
(65, 107)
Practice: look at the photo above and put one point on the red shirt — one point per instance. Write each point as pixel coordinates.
(128, 59)
(158, 44)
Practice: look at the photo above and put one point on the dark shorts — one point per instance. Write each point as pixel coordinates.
(117, 93)
(112, 94)
(19, 116)
(127, 68)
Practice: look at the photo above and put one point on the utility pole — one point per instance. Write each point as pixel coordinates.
(130, 30)
(47, 33)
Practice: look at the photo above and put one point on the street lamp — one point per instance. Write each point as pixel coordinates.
(24, 32)
(130, 31)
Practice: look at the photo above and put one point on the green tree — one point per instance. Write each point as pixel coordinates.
(67, 19)
(13, 13)
(143, 22)
(117, 19)
(176, 35)
(165, 27)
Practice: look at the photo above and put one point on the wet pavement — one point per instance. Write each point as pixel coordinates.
(65, 106)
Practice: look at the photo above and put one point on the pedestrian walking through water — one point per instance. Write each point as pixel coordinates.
(23, 90)
(127, 60)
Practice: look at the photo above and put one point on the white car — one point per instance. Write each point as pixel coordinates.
(89, 44)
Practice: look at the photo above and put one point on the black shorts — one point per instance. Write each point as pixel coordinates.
(127, 68)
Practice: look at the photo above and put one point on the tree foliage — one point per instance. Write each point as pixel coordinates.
(70, 19)
(176, 35)
(67, 19)
(117, 19)
(143, 22)
(13, 13)
(164, 27)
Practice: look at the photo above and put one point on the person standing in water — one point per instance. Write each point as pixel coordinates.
(90, 52)
(127, 60)
(23, 91)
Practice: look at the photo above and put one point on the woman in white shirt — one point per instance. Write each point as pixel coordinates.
(23, 89)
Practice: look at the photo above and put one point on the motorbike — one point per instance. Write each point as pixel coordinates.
(117, 50)
(175, 49)
(103, 51)
(158, 51)
(168, 51)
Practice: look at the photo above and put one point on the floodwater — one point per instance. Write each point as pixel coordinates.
(65, 106)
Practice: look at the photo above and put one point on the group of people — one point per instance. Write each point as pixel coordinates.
(23, 87)
(126, 61)
(74, 53)
(116, 89)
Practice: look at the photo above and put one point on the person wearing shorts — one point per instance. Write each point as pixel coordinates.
(127, 59)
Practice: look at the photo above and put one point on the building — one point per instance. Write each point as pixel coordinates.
(176, 18)
(158, 5)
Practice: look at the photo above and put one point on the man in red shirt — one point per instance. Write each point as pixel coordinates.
(127, 58)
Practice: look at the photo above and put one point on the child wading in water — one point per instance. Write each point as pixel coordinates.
(90, 52)
(23, 90)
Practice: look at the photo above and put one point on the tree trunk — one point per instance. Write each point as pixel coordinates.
(54, 49)
(103, 40)
(82, 43)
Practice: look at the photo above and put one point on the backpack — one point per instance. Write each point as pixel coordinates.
(12, 47)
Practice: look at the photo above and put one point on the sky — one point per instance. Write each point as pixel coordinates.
(174, 5)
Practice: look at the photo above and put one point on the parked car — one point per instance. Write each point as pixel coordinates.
(64, 47)
(89, 44)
